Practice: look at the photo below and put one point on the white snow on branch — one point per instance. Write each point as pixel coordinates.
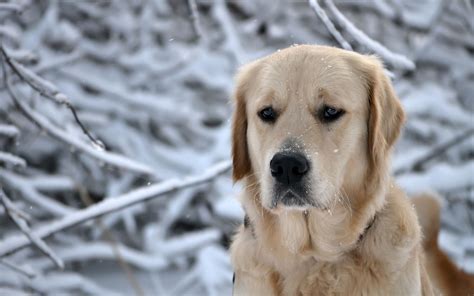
(83, 252)
(29, 193)
(11, 7)
(52, 183)
(109, 205)
(8, 158)
(15, 267)
(98, 153)
(441, 177)
(55, 283)
(195, 18)
(329, 25)
(158, 259)
(23, 226)
(8, 130)
(396, 60)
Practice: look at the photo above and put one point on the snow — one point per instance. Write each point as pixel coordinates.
(442, 177)
(150, 204)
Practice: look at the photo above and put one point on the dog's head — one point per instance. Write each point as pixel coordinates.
(312, 123)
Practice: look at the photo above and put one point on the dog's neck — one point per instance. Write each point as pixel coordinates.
(321, 234)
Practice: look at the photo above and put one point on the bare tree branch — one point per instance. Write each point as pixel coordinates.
(110, 205)
(23, 226)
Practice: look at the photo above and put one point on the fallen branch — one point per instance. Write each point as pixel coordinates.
(23, 226)
(329, 25)
(396, 60)
(113, 204)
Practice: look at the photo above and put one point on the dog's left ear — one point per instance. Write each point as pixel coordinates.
(240, 156)
(385, 121)
(386, 116)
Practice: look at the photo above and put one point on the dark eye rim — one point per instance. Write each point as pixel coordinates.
(267, 114)
(329, 114)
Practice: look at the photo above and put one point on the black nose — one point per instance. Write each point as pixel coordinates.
(288, 168)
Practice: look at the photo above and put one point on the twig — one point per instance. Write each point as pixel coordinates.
(15, 267)
(110, 205)
(8, 130)
(11, 159)
(329, 25)
(436, 151)
(10, 7)
(195, 18)
(232, 41)
(67, 283)
(159, 259)
(48, 90)
(30, 193)
(100, 154)
(23, 226)
(51, 183)
(86, 199)
(397, 60)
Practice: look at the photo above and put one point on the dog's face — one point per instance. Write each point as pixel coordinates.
(308, 125)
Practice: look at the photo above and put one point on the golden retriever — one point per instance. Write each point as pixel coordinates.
(313, 130)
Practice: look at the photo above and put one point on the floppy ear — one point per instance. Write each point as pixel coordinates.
(386, 116)
(240, 155)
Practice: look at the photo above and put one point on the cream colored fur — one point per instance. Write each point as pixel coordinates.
(323, 250)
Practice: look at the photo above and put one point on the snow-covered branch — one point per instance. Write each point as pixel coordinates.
(110, 205)
(8, 130)
(195, 18)
(142, 81)
(25, 271)
(94, 151)
(329, 24)
(396, 60)
(22, 224)
(46, 89)
(30, 193)
(8, 158)
(436, 151)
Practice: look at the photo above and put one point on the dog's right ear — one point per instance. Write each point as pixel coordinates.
(240, 155)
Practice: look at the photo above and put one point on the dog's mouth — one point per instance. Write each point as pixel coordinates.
(291, 198)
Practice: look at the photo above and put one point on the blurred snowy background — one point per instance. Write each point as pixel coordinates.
(149, 82)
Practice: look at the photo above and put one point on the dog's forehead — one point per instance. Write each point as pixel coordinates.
(311, 74)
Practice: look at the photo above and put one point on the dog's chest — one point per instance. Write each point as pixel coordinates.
(345, 278)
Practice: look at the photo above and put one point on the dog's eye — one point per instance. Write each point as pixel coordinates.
(330, 114)
(267, 114)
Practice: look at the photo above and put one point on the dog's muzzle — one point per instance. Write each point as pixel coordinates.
(288, 169)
